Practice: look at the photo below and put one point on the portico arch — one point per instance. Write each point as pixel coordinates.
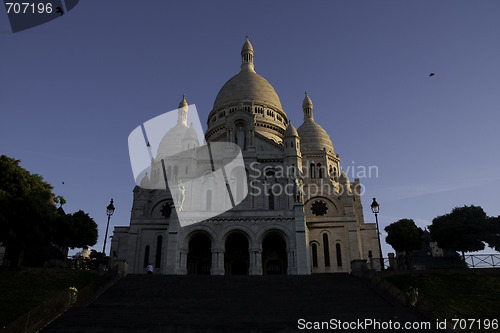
(199, 257)
(236, 255)
(274, 254)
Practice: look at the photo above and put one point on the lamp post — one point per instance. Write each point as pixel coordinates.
(375, 209)
(109, 211)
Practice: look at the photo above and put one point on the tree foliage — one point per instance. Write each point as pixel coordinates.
(76, 230)
(27, 211)
(464, 229)
(404, 235)
(493, 232)
(29, 218)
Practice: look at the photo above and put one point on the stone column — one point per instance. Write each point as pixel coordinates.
(164, 248)
(303, 259)
(134, 264)
(173, 236)
(291, 262)
(255, 261)
(182, 268)
(217, 262)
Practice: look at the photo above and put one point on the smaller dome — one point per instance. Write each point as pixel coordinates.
(290, 130)
(171, 143)
(312, 135)
(190, 134)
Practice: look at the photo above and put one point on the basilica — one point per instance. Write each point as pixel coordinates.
(296, 213)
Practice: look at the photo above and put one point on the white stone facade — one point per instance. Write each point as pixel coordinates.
(273, 231)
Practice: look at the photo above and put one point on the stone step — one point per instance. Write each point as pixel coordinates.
(163, 303)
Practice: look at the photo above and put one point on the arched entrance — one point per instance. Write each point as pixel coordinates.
(236, 257)
(274, 257)
(199, 258)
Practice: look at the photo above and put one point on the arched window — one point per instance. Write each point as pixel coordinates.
(326, 250)
(159, 241)
(146, 256)
(314, 250)
(209, 200)
(339, 255)
(320, 171)
(312, 170)
(271, 199)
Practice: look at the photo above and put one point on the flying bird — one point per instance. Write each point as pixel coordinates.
(431, 74)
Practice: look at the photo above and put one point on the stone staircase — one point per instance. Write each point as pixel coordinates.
(171, 303)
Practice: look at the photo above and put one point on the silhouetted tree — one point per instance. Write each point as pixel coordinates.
(29, 219)
(76, 230)
(27, 210)
(493, 232)
(464, 229)
(404, 235)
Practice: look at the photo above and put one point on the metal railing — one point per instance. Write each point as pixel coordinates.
(471, 261)
(83, 263)
(483, 260)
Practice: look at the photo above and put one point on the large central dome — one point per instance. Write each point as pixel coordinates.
(247, 86)
(247, 102)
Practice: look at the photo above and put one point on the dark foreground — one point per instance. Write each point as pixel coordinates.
(155, 303)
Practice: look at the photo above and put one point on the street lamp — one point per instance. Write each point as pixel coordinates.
(375, 209)
(109, 211)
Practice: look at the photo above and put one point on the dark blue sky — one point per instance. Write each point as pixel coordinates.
(73, 89)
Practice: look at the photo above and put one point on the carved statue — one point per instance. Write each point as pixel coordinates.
(240, 138)
(297, 188)
(181, 192)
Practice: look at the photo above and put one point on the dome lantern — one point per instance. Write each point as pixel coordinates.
(183, 111)
(307, 107)
(247, 56)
